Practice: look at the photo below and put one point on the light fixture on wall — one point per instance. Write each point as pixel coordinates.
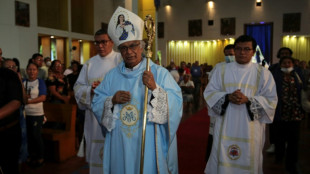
(210, 3)
(258, 3)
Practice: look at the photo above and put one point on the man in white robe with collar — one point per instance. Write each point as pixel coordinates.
(119, 102)
(92, 73)
(242, 96)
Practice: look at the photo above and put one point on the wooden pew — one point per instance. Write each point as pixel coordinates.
(62, 140)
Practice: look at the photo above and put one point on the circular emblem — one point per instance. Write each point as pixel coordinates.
(234, 152)
(129, 115)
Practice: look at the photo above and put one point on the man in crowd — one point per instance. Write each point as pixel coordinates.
(47, 64)
(119, 103)
(282, 52)
(37, 59)
(11, 98)
(92, 73)
(242, 96)
(196, 73)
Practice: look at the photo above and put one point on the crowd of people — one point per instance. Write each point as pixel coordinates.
(25, 91)
(241, 97)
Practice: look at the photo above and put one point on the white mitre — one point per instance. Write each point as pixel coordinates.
(125, 26)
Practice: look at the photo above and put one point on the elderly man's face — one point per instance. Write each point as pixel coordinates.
(131, 52)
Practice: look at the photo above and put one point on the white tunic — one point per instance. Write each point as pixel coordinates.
(238, 141)
(93, 70)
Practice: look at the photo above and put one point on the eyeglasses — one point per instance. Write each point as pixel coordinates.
(132, 47)
(12, 67)
(246, 49)
(103, 42)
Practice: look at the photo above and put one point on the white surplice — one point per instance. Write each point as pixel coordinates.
(93, 70)
(237, 140)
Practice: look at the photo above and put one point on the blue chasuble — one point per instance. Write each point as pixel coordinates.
(123, 143)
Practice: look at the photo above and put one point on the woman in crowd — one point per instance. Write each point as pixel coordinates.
(289, 113)
(57, 84)
(36, 93)
(13, 64)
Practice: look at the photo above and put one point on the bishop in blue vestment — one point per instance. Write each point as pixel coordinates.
(118, 104)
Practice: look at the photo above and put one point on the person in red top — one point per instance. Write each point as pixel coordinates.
(186, 70)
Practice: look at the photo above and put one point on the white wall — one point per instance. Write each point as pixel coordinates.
(245, 12)
(22, 42)
(103, 10)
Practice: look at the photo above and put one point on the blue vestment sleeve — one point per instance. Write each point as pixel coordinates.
(99, 98)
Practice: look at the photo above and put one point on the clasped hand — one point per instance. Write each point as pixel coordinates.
(237, 97)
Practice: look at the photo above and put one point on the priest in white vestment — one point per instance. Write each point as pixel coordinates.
(242, 96)
(92, 73)
(119, 104)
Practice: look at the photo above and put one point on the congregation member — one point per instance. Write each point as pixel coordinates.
(282, 52)
(13, 64)
(289, 114)
(242, 96)
(37, 58)
(196, 73)
(57, 84)
(11, 98)
(118, 104)
(46, 66)
(92, 73)
(188, 88)
(36, 95)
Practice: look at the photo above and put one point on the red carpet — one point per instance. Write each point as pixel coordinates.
(192, 143)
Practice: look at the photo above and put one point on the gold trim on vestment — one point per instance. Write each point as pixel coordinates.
(235, 166)
(252, 147)
(246, 140)
(96, 165)
(254, 88)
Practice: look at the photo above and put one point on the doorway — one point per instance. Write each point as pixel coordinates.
(263, 34)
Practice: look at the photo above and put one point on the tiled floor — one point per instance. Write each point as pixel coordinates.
(78, 165)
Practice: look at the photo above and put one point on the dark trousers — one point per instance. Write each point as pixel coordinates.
(272, 134)
(34, 135)
(287, 132)
(209, 147)
(197, 84)
(10, 141)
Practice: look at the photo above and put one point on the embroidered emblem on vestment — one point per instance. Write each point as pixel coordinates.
(234, 152)
(129, 117)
